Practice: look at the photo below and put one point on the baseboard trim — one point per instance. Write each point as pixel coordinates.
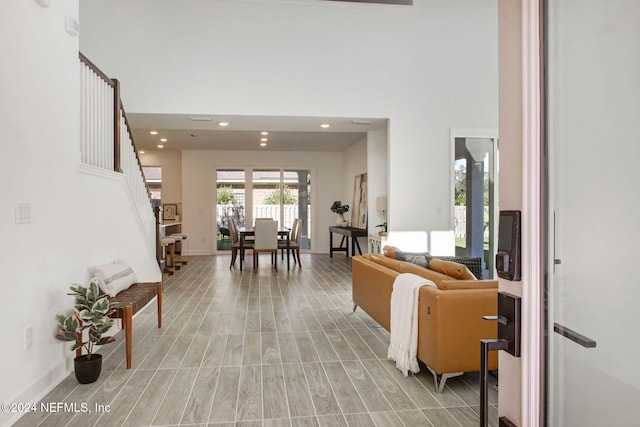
(39, 390)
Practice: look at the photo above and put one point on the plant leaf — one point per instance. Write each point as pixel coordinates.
(106, 340)
(66, 336)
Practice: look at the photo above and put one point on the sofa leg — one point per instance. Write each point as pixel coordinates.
(443, 378)
(354, 307)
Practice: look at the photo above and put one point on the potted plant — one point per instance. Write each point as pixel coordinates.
(383, 232)
(91, 313)
(340, 210)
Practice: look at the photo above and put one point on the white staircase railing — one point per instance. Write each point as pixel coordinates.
(132, 170)
(97, 97)
(107, 143)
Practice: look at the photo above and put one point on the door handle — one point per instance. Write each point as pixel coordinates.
(573, 336)
(503, 320)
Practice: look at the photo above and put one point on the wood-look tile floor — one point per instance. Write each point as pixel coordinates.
(260, 348)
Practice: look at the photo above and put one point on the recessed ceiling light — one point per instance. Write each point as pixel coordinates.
(163, 139)
(325, 125)
(264, 139)
(223, 124)
(160, 146)
(264, 133)
(201, 118)
(141, 151)
(153, 132)
(263, 144)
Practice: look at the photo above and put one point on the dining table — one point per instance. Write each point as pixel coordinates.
(243, 232)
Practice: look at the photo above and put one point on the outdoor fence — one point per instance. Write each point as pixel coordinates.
(224, 212)
(460, 220)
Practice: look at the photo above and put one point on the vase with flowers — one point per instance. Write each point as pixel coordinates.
(340, 210)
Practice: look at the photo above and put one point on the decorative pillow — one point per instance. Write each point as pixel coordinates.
(452, 269)
(114, 278)
(394, 252)
(389, 251)
(474, 264)
(420, 260)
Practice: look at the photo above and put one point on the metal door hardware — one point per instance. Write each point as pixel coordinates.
(574, 336)
(508, 318)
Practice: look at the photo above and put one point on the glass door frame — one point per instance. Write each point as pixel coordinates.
(479, 133)
(248, 189)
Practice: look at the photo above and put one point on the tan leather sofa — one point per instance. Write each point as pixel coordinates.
(450, 323)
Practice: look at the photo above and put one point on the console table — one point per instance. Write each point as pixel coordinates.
(376, 243)
(347, 233)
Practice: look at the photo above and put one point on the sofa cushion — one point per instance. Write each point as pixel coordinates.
(450, 268)
(435, 276)
(391, 263)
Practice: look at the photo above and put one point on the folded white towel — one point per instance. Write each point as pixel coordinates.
(403, 346)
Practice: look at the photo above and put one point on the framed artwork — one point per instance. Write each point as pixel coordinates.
(169, 211)
(359, 213)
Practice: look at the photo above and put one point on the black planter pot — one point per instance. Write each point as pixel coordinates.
(87, 370)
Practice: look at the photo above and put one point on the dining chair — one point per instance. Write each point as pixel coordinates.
(296, 236)
(225, 236)
(282, 243)
(235, 242)
(263, 219)
(266, 240)
(255, 221)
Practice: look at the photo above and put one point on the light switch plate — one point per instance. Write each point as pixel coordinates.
(71, 26)
(23, 213)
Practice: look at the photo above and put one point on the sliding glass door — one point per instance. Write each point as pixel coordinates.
(297, 196)
(280, 194)
(230, 204)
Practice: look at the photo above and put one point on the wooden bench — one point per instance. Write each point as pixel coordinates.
(129, 302)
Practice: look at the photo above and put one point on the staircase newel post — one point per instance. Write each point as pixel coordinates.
(156, 211)
(116, 126)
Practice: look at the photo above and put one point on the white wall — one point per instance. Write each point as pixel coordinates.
(427, 68)
(355, 163)
(77, 219)
(378, 178)
(171, 163)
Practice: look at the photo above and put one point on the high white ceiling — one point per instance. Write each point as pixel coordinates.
(243, 132)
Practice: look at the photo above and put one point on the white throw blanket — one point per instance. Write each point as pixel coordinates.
(403, 347)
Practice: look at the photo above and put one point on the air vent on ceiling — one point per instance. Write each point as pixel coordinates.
(401, 2)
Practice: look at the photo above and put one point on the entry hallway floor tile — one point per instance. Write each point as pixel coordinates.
(260, 348)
